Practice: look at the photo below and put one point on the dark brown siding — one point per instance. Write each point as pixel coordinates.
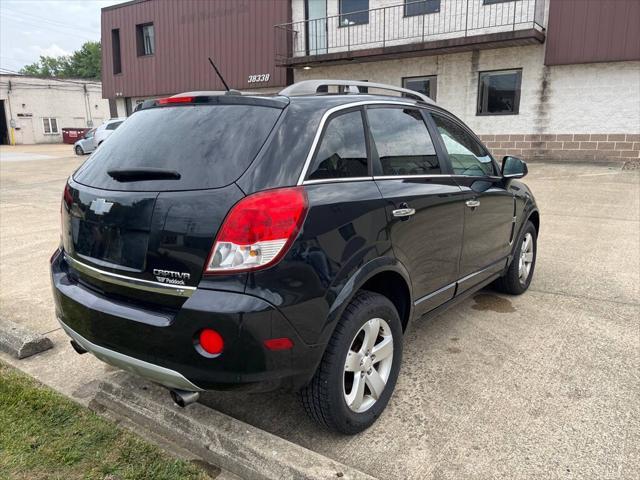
(587, 31)
(237, 34)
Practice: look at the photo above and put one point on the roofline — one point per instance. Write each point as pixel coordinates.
(121, 5)
(55, 79)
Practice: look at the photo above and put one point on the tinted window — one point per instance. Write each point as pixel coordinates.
(402, 141)
(417, 7)
(343, 151)
(209, 146)
(466, 155)
(145, 39)
(113, 126)
(115, 47)
(354, 12)
(499, 92)
(425, 85)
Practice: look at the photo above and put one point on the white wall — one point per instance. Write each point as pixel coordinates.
(389, 27)
(585, 98)
(31, 99)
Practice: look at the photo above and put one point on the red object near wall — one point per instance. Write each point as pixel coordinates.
(72, 135)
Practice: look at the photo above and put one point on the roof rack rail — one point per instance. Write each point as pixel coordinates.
(313, 87)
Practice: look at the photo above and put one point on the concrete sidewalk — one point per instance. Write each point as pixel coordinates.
(544, 385)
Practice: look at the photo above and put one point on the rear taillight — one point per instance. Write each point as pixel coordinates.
(258, 231)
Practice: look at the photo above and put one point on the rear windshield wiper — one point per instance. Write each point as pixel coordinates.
(142, 174)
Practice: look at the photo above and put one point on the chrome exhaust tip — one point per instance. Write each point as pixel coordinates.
(182, 398)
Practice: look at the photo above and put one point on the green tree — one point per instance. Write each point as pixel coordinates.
(83, 63)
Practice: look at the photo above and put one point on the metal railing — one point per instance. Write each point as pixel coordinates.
(411, 22)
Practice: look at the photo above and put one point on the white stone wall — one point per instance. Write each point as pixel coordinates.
(389, 27)
(31, 99)
(585, 98)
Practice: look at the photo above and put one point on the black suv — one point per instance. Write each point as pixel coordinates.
(227, 241)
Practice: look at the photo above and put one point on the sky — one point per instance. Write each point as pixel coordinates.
(30, 28)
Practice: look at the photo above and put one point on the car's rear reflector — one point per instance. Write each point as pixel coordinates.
(258, 231)
(211, 341)
(168, 100)
(275, 344)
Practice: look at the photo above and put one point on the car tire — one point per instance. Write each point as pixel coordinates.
(79, 150)
(518, 276)
(325, 398)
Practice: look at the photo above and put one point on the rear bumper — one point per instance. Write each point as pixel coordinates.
(164, 376)
(157, 342)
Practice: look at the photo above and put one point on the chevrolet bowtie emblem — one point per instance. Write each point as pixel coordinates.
(100, 206)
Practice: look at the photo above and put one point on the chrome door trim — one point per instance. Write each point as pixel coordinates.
(323, 120)
(434, 294)
(164, 376)
(116, 279)
(335, 180)
(406, 177)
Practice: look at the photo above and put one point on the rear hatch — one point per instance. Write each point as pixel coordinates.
(148, 204)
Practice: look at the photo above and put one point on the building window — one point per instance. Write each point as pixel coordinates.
(499, 92)
(422, 7)
(50, 126)
(491, 2)
(145, 39)
(115, 48)
(354, 12)
(424, 85)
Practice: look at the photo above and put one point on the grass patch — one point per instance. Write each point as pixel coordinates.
(44, 435)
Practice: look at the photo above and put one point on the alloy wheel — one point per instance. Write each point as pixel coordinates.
(368, 365)
(526, 258)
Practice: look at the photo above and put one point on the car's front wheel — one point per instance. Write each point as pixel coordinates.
(79, 150)
(518, 276)
(359, 369)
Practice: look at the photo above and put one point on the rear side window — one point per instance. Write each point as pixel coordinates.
(343, 149)
(402, 141)
(113, 126)
(210, 146)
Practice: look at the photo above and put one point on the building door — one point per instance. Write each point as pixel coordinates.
(316, 32)
(4, 130)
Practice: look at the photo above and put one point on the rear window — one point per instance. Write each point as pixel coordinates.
(210, 146)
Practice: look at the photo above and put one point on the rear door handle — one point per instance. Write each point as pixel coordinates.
(404, 212)
(472, 203)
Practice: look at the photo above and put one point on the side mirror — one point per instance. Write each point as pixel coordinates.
(513, 167)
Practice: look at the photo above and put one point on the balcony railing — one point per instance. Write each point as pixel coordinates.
(415, 22)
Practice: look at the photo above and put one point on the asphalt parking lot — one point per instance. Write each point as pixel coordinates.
(545, 385)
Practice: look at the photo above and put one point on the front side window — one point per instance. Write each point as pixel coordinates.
(50, 126)
(354, 12)
(402, 141)
(466, 155)
(420, 7)
(424, 85)
(343, 149)
(499, 92)
(145, 39)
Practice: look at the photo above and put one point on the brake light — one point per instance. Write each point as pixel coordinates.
(67, 198)
(168, 100)
(258, 231)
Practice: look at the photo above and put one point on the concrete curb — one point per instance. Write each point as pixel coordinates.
(20, 342)
(235, 446)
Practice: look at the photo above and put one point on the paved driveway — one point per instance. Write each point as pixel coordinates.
(545, 385)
